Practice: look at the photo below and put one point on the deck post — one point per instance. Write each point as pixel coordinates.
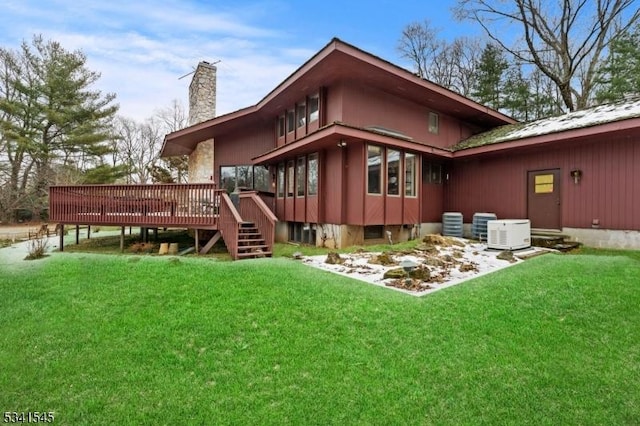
(197, 237)
(88, 232)
(61, 242)
(122, 239)
(155, 235)
(77, 234)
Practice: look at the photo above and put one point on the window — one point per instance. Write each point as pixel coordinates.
(300, 176)
(433, 123)
(290, 178)
(314, 108)
(373, 232)
(374, 169)
(281, 180)
(432, 173)
(393, 172)
(261, 179)
(409, 174)
(291, 121)
(544, 184)
(301, 114)
(312, 175)
(281, 126)
(245, 177)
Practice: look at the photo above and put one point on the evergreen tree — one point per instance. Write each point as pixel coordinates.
(490, 76)
(49, 116)
(619, 77)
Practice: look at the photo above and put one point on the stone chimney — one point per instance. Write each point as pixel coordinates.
(202, 107)
(202, 94)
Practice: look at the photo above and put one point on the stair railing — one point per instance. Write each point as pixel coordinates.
(253, 209)
(229, 224)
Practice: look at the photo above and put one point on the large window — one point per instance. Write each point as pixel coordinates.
(374, 169)
(409, 174)
(393, 172)
(290, 178)
(314, 107)
(245, 177)
(301, 114)
(281, 180)
(312, 175)
(301, 173)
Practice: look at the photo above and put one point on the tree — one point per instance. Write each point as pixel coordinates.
(566, 40)
(449, 64)
(489, 86)
(49, 115)
(619, 77)
(174, 118)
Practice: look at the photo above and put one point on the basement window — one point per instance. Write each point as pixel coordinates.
(373, 232)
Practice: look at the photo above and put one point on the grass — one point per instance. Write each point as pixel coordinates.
(142, 340)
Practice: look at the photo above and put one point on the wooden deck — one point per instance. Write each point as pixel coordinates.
(247, 229)
(192, 205)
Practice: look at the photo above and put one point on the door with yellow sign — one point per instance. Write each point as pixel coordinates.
(543, 199)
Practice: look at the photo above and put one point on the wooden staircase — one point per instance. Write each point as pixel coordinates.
(251, 243)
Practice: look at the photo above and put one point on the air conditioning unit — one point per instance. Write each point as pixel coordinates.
(509, 234)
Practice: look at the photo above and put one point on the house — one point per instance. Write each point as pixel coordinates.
(352, 149)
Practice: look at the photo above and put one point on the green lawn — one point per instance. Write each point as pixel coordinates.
(148, 340)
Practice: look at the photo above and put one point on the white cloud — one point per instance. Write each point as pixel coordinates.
(141, 48)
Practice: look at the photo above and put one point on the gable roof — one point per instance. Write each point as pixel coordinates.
(338, 61)
(584, 120)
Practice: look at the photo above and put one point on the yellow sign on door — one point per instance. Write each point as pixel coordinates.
(544, 184)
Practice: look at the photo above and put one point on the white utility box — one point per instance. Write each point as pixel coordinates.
(509, 234)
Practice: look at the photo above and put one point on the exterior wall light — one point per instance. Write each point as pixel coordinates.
(576, 174)
(342, 143)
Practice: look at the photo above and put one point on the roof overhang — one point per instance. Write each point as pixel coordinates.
(338, 61)
(329, 136)
(601, 132)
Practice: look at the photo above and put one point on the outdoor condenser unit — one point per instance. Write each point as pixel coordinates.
(508, 234)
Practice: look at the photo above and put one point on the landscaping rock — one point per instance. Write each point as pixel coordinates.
(394, 274)
(383, 259)
(468, 267)
(507, 255)
(427, 248)
(334, 258)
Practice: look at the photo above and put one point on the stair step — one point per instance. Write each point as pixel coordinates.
(253, 247)
(254, 255)
(256, 241)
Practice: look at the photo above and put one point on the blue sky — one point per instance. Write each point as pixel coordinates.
(142, 47)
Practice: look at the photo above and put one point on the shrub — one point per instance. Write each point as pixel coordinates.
(37, 247)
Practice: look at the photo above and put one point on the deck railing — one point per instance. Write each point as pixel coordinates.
(229, 224)
(167, 205)
(253, 209)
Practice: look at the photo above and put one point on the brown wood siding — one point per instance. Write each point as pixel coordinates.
(432, 202)
(608, 191)
(332, 176)
(393, 209)
(411, 211)
(364, 106)
(312, 209)
(242, 147)
(355, 202)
